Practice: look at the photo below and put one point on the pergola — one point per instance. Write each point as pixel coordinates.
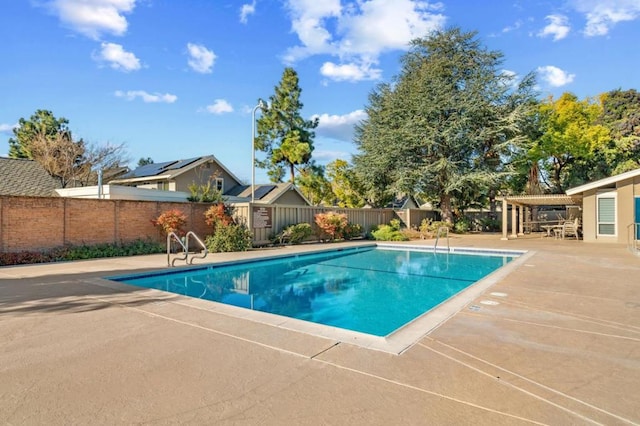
(523, 202)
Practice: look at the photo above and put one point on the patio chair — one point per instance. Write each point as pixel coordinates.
(571, 228)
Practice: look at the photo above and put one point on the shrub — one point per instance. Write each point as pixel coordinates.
(332, 225)
(133, 248)
(294, 234)
(228, 238)
(462, 226)
(204, 193)
(352, 231)
(170, 221)
(428, 227)
(490, 224)
(389, 233)
(219, 214)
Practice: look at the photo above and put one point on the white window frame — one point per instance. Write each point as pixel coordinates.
(607, 194)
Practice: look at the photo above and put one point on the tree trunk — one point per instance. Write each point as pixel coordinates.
(293, 176)
(445, 208)
(492, 204)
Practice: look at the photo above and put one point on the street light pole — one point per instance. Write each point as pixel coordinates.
(262, 105)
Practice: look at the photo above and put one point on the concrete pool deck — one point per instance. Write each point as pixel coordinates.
(554, 341)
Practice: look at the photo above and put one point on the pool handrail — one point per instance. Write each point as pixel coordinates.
(184, 243)
(205, 252)
(435, 246)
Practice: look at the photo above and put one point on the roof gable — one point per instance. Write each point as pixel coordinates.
(266, 193)
(21, 177)
(169, 170)
(603, 182)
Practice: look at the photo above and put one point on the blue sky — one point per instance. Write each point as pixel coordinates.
(178, 79)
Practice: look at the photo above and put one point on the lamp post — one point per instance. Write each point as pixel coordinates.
(262, 105)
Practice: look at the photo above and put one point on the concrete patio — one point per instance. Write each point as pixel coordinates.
(561, 346)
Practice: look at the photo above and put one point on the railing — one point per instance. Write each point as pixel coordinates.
(446, 232)
(633, 238)
(185, 248)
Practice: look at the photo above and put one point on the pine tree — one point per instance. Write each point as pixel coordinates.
(285, 137)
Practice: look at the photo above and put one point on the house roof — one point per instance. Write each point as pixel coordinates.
(603, 182)
(266, 193)
(168, 170)
(26, 178)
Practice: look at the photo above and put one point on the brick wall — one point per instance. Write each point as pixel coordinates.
(36, 223)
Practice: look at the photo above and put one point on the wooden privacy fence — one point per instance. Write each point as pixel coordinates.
(267, 220)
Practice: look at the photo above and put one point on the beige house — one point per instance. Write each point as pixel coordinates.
(275, 193)
(179, 175)
(610, 208)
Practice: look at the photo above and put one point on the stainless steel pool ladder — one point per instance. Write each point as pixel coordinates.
(446, 233)
(185, 248)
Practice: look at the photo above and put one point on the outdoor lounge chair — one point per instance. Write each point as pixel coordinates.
(571, 228)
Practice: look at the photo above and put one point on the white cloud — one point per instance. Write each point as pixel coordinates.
(246, 10)
(513, 27)
(117, 58)
(338, 127)
(359, 32)
(201, 59)
(7, 128)
(93, 17)
(603, 15)
(146, 97)
(219, 106)
(350, 72)
(327, 156)
(558, 27)
(555, 76)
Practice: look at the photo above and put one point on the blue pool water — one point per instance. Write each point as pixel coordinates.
(370, 290)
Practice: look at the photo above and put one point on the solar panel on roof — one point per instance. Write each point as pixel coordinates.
(182, 163)
(148, 169)
(236, 190)
(263, 190)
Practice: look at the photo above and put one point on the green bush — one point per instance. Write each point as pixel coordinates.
(294, 234)
(429, 228)
(489, 224)
(462, 226)
(95, 251)
(353, 231)
(228, 238)
(389, 232)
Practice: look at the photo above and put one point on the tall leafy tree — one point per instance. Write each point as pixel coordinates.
(283, 134)
(313, 184)
(41, 124)
(48, 140)
(444, 125)
(145, 161)
(570, 137)
(345, 185)
(621, 115)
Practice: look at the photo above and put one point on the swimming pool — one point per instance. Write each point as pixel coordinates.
(374, 290)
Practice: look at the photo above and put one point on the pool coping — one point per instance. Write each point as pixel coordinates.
(394, 343)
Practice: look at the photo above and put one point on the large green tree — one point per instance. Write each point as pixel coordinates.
(283, 134)
(345, 185)
(48, 140)
(570, 137)
(445, 124)
(41, 124)
(313, 184)
(621, 115)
